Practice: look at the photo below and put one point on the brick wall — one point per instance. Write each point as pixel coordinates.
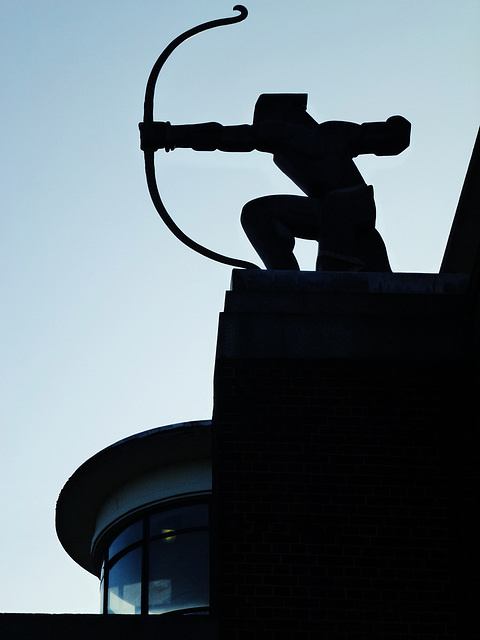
(345, 498)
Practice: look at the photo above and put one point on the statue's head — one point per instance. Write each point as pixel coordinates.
(290, 107)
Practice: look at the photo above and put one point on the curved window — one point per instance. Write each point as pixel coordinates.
(124, 584)
(159, 563)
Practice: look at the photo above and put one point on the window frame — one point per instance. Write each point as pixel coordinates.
(144, 543)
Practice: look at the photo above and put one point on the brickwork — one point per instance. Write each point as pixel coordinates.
(345, 494)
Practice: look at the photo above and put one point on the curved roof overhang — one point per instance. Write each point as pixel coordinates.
(95, 480)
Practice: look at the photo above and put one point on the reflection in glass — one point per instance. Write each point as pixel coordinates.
(179, 572)
(181, 518)
(124, 584)
(159, 563)
(102, 587)
(132, 534)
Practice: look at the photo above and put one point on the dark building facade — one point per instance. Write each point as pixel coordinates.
(345, 458)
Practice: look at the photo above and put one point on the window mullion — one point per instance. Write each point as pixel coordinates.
(145, 566)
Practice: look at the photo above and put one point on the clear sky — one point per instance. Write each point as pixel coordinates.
(108, 323)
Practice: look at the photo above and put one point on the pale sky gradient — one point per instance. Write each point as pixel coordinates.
(108, 322)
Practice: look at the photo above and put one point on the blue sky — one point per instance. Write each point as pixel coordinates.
(108, 322)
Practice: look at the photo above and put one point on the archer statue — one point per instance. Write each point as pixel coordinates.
(338, 209)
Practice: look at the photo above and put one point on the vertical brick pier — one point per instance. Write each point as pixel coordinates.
(345, 458)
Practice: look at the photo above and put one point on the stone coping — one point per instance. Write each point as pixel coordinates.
(347, 282)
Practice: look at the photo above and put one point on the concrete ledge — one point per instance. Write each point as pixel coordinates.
(253, 280)
(21, 626)
(291, 314)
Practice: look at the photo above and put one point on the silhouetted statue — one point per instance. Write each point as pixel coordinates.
(338, 210)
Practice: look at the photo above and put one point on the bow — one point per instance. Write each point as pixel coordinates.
(150, 155)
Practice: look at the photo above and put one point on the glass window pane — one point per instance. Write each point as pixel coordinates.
(124, 584)
(181, 518)
(179, 572)
(102, 584)
(131, 534)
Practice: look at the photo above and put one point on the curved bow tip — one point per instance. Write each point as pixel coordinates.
(243, 10)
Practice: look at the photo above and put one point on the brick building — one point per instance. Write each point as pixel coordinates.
(345, 473)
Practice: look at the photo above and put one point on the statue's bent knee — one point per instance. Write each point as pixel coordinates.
(252, 212)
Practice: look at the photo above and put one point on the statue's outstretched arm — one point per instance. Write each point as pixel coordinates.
(208, 136)
(382, 138)
(211, 136)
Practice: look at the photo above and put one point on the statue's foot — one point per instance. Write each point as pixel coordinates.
(332, 261)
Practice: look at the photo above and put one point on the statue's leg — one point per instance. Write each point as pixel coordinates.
(372, 248)
(338, 248)
(348, 240)
(273, 222)
(375, 252)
